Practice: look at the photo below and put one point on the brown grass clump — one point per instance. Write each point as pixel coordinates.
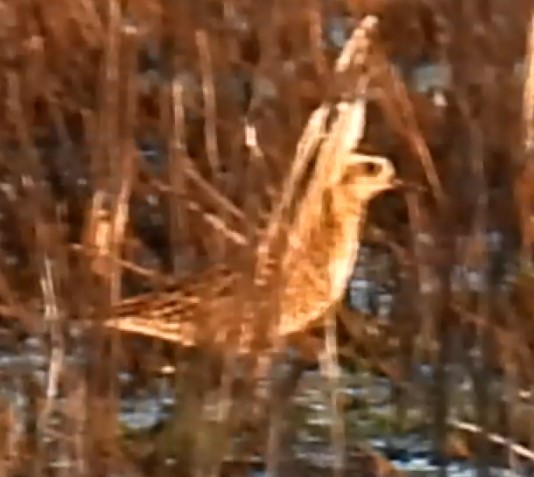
(145, 142)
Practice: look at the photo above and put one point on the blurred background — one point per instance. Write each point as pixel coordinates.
(127, 163)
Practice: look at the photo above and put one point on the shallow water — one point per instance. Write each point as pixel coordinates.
(370, 420)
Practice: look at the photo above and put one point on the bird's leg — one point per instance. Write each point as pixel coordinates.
(330, 364)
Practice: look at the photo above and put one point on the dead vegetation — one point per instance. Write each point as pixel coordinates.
(144, 142)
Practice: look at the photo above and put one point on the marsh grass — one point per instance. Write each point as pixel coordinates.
(142, 141)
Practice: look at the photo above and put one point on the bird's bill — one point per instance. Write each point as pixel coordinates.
(406, 186)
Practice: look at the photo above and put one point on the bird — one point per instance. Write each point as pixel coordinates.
(313, 268)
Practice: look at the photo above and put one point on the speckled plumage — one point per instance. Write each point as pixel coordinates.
(299, 267)
(322, 246)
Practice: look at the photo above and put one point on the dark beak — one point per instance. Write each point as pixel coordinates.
(403, 185)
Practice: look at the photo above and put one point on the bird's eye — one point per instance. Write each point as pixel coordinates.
(361, 170)
(370, 168)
